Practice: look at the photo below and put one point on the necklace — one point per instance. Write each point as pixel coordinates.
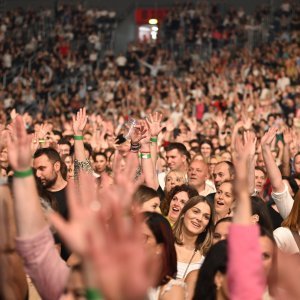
(194, 253)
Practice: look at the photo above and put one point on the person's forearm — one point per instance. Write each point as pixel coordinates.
(272, 170)
(148, 168)
(28, 212)
(251, 176)
(286, 169)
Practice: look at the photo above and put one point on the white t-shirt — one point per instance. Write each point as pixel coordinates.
(284, 202)
(285, 240)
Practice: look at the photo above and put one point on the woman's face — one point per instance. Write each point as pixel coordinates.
(150, 242)
(221, 232)
(268, 252)
(176, 205)
(151, 205)
(205, 150)
(69, 162)
(223, 199)
(226, 156)
(197, 218)
(173, 179)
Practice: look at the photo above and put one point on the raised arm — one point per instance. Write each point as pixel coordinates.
(35, 243)
(80, 160)
(246, 277)
(272, 169)
(288, 139)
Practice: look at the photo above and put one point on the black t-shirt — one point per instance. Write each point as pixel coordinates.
(62, 208)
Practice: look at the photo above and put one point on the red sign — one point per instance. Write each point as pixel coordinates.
(143, 15)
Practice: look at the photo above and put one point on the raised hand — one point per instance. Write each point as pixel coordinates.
(268, 137)
(139, 132)
(82, 203)
(79, 121)
(19, 146)
(154, 123)
(287, 135)
(245, 146)
(220, 120)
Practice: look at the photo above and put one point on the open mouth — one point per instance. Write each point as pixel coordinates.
(175, 209)
(220, 203)
(195, 224)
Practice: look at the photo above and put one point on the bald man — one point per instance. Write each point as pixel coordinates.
(198, 174)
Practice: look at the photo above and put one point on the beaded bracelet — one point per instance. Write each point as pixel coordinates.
(23, 174)
(78, 137)
(135, 147)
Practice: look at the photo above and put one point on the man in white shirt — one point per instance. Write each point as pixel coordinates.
(198, 173)
(177, 158)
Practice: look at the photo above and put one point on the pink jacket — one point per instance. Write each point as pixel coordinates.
(43, 264)
(246, 279)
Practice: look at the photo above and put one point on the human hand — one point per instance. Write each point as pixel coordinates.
(139, 132)
(268, 137)
(154, 124)
(19, 146)
(287, 135)
(79, 121)
(220, 120)
(245, 146)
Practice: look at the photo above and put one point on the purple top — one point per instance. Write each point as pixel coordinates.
(43, 264)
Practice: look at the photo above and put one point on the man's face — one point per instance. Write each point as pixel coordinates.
(63, 149)
(260, 160)
(175, 160)
(297, 164)
(197, 173)
(260, 180)
(46, 171)
(221, 173)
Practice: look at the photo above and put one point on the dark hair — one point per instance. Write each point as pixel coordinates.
(204, 239)
(191, 191)
(262, 170)
(144, 194)
(64, 141)
(99, 154)
(223, 220)
(229, 165)
(208, 142)
(259, 208)
(180, 148)
(162, 231)
(54, 157)
(215, 260)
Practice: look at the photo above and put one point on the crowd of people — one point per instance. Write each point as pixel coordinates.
(155, 174)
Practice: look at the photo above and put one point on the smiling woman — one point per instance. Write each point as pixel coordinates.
(193, 234)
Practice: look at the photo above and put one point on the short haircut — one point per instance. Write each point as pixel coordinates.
(180, 148)
(99, 154)
(229, 165)
(54, 157)
(223, 220)
(64, 141)
(144, 194)
(262, 170)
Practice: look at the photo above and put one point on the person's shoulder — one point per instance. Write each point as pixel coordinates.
(174, 289)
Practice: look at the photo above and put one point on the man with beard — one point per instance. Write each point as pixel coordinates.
(49, 170)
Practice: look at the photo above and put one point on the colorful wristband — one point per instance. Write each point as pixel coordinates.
(78, 137)
(153, 139)
(42, 141)
(93, 294)
(145, 155)
(23, 174)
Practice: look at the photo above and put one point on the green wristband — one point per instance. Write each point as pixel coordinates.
(93, 294)
(153, 139)
(23, 174)
(78, 137)
(145, 155)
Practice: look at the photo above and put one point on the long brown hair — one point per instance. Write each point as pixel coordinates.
(293, 220)
(205, 238)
